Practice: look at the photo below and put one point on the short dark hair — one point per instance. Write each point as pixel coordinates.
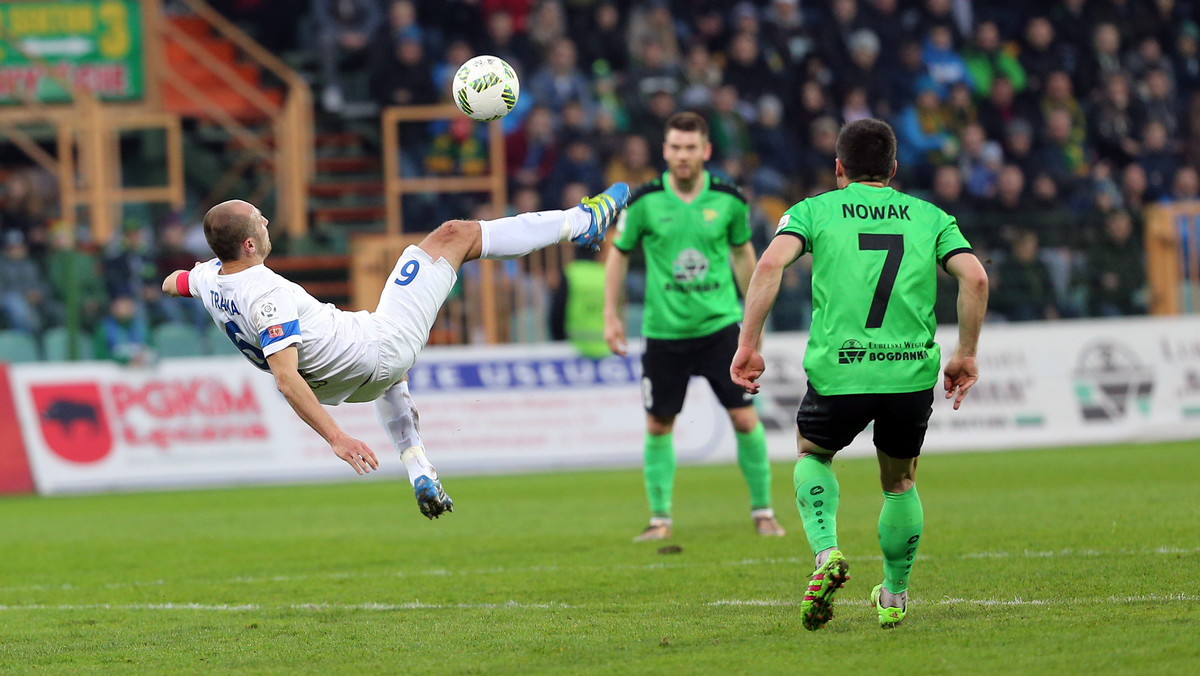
(687, 121)
(225, 231)
(867, 149)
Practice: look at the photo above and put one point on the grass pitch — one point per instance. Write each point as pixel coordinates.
(1083, 560)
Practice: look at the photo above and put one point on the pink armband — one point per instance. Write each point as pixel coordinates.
(181, 285)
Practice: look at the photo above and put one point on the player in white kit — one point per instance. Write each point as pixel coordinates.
(319, 354)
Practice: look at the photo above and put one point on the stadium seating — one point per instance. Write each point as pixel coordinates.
(17, 347)
(56, 345)
(178, 340)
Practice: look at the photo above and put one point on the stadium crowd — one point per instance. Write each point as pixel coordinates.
(1045, 128)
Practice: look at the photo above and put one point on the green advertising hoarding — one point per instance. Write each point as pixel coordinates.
(93, 44)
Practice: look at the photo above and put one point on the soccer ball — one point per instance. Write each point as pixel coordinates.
(485, 88)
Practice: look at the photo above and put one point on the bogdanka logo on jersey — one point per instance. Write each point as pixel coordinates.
(853, 352)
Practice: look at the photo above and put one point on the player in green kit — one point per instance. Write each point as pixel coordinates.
(694, 230)
(871, 354)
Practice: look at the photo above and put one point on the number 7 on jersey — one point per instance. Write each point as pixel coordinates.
(894, 246)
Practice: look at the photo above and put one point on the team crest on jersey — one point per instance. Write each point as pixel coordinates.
(690, 265)
(709, 215)
(275, 331)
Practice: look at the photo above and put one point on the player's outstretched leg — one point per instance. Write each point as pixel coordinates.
(516, 236)
(817, 494)
(397, 413)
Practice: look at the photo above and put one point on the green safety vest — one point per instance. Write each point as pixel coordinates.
(585, 308)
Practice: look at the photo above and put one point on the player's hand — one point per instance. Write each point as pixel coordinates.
(747, 366)
(960, 374)
(614, 335)
(356, 453)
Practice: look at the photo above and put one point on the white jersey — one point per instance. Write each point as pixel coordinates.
(263, 313)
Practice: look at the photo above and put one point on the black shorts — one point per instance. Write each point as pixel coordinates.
(832, 422)
(668, 364)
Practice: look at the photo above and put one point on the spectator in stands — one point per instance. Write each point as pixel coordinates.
(980, 161)
(833, 38)
(576, 164)
(946, 66)
(1050, 217)
(1159, 102)
(856, 105)
(1115, 270)
(457, 53)
(867, 73)
(25, 196)
(1134, 188)
(504, 41)
(24, 297)
(923, 132)
(883, 18)
(1058, 95)
(822, 145)
(76, 277)
(632, 164)
(787, 32)
(768, 136)
(1018, 146)
(699, 78)
(532, 151)
(1156, 159)
(1073, 24)
(559, 80)
(948, 195)
(652, 22)
(748, 71)
(604, 39)
(905, 73)
(457, 151)
(1002, 107)
(1187, 58)
(1185, 187)
(960, 108)
(171, 255)
(402, 76)
(811, 105)
(998, 217)
(727, 124)
(518, 9)
(123, 335)
(129, 268)
(547, 27)
(1041, 55)
(1114, 122)
(989, 57)
(344, 29)
(1062, 154)
(1105, 58)
(1023, 290)
(653, 74)
(1147, 57)
(650, 121)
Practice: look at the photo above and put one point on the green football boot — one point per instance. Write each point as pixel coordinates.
(888, 617)
(817, 607)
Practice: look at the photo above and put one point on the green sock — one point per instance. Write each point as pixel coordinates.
(817, 500)
(752, 458)
(900, 523)
(659, 472)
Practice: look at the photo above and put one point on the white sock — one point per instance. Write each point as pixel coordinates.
(660, 521)
(516, 236)
(889, 600)
(765, 512)
(417, 464)
(823, 556)
(397, 413)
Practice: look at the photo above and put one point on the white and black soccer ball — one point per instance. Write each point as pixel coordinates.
(485, 88)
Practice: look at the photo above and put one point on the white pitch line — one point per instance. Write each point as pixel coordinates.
(516, 605)
(658, 565)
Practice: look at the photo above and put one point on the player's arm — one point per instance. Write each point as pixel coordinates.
(284, 366)
(961, 372)
(616, 266)
(176, 284)
(743, 258)
(747, 363)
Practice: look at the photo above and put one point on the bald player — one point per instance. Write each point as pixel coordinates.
(321, 355)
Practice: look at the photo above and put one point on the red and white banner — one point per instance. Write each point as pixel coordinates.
(215, 421)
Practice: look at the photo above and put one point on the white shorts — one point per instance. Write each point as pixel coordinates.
(408, 307)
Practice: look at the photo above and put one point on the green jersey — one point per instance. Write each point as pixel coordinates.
(874, 283)
(690, 290)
